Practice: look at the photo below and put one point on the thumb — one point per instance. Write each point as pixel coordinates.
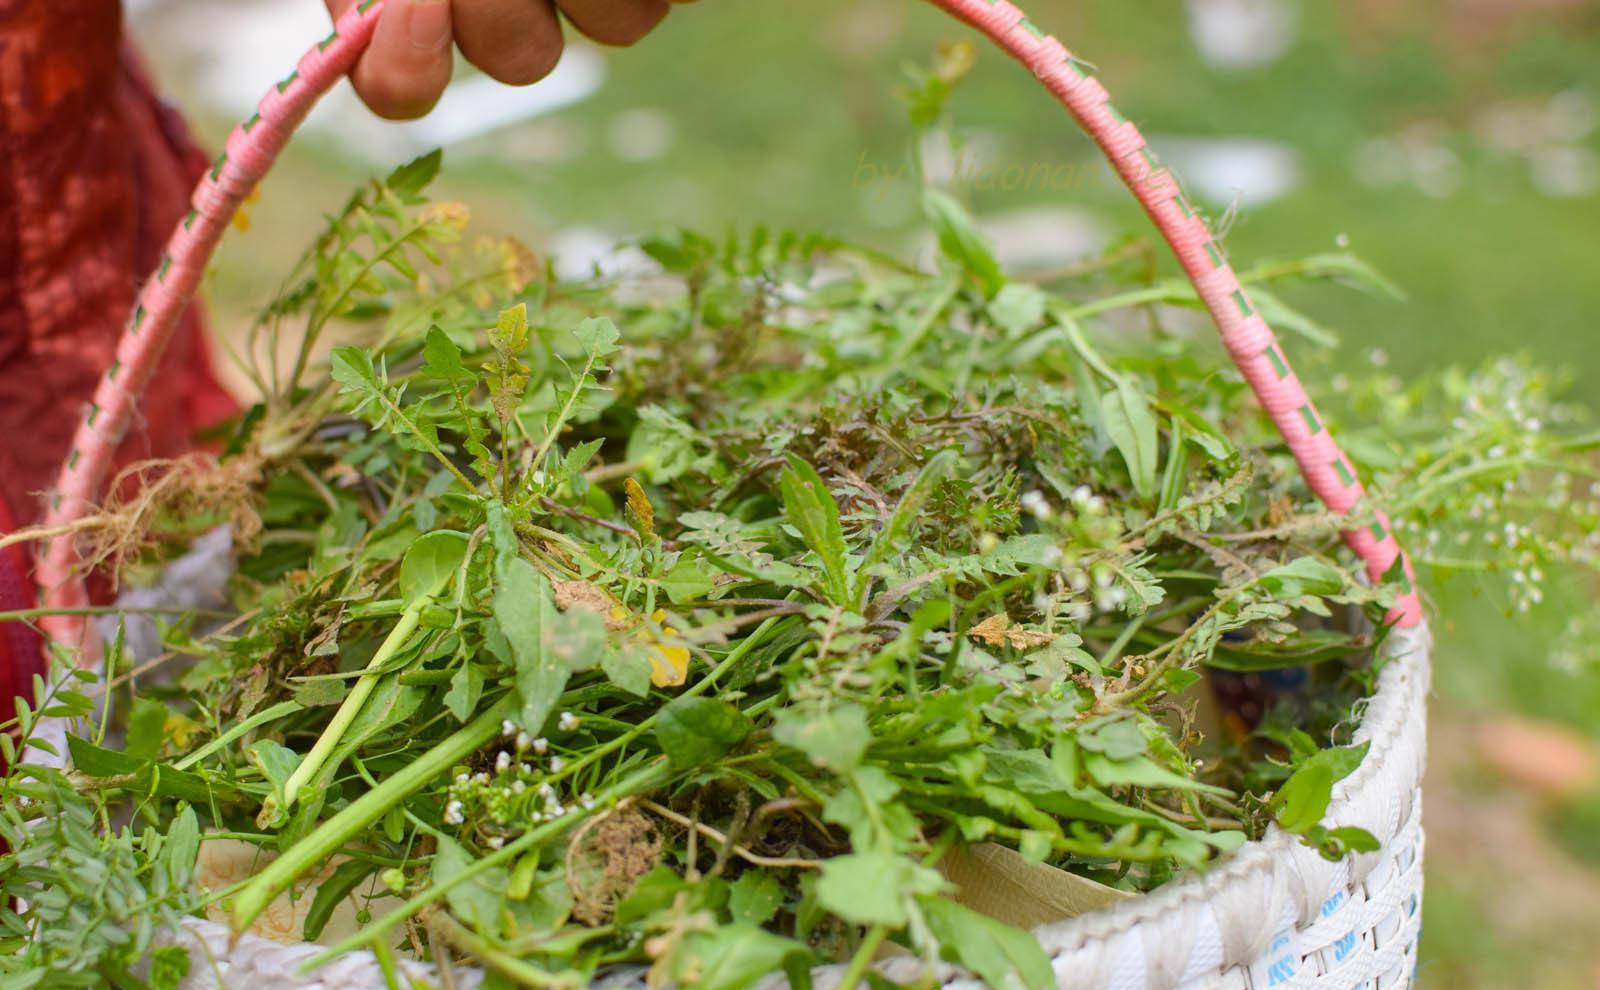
(408, 64)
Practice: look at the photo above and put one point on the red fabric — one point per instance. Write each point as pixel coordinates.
(20, 652)
(94, 173)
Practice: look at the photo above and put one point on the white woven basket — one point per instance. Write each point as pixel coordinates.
(1272, 915)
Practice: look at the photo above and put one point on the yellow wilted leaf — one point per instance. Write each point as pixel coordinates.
(180, 729)
(669, 664)
(640, 512)
(997, 630)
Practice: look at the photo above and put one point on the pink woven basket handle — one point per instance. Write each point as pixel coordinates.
(255, 144)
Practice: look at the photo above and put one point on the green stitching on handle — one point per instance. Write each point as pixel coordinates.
(92, 415)
(1150, 158)
(1310, 416)
(366, 5)
(188, 220)
(1278, 364)
(111, 372)
(322, 45)
(216, 169)
(138, 319)
(251, 122)
(1244, 304)
(1188, 211)
(1116, 114)
(1344, 472)
(1214, 254)
(72, 460)
(1378, 532)
(288, 81)
(1031, 28)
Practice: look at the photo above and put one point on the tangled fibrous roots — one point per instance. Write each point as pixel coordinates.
(170, 501)
(606, 858)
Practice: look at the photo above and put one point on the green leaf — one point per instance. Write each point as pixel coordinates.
(431, 562)
(755, 897)
(443, 358)
(629, 669)
(414, 176)
(693, 731)
(1303, 799)
(330, 892)
(1129, 423)
(689, 580)
(1304, 576)
(1118, 737)
(735, 957)
(910, 507)
(466, 687)
(1004, 957)
(960, 240)
(276, 762)
(834, 738)
(181, 848)
(809, 507)
(872, 888)
(477, 901)
(146, 728)
(524, 609)
(352, 367)
(1018, 307)
(597, 336)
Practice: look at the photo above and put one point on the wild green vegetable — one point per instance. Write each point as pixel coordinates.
(691, 621)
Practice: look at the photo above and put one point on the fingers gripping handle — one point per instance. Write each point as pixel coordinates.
(255, 144)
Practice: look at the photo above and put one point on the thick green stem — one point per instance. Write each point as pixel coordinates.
(368, 808)
(350, 707)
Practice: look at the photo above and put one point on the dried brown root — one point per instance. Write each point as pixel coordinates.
(606, 858)
(162, 501)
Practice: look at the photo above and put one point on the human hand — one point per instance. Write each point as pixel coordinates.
(406, 68)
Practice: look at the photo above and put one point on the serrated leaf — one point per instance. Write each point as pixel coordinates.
(809, 507)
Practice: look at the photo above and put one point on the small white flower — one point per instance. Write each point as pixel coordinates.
(1034, 501)
(541, 745)
(508, 728)
(453, 813)
(518, 786)
(556, 763)
(523, 741)
(502, 762)
(568, 722)
(587, 800)
(496, 841)
(480, 778)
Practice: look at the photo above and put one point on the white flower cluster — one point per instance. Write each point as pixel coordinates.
(522, 789)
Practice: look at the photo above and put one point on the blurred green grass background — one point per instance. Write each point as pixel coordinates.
(1416, 128)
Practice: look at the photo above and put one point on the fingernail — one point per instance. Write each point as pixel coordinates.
(429, 23)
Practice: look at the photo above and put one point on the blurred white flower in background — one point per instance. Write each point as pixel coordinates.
(1241, 34)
